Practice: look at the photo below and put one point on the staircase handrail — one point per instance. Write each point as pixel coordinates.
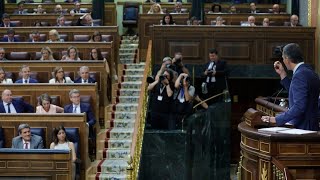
(137, 138)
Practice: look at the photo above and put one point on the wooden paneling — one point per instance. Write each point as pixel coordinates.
(146, 21)
(169, 7)
(54, 166)
(235, 44)
(235, 19)
(110, 17)
(244, 8)
(10, 123)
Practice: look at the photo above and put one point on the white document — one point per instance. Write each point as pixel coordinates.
(273, 129)
(297, 131)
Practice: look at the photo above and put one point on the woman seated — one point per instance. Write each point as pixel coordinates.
(46, 54)
(54, 36)
(60, 141)
(219, 21)
(46, 107)
(39, 10)
(96, 37)
(194, 21)
(155, 9)
(59, 77)
(3, 79)
(167, 20)
(95, 54)
(72, 54)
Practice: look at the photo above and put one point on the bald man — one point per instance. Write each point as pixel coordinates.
(276, 9)
(10, 105)
(294, 21)
(251, 21)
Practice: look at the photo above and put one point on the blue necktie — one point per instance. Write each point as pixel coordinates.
(75, 109)
(9, 107)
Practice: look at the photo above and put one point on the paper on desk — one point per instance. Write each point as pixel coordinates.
(273, 129)
(297, 131)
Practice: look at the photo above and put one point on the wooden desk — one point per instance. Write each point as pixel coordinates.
(35, 163)
(168, 7)
(110, 14)
(300, 154)
(235, 19)
(11, 122)
(146, 21)
(235, 44)
(245, 7)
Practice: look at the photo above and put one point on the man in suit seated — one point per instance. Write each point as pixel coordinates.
(177, 7)
(6, 21)
(77, 107)
(84, 76)
(294, 21)
(3, 54)
(20, 9)
(10, 36)
(35, 36)
(253, 8)
(85, 20)
(303, 90)
(25, 74)
(9, 105)
(77, 9)
(26, 140)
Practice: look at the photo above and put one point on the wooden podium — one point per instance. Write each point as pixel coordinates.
(275, 156)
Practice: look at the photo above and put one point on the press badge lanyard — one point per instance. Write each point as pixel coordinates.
(161, 90)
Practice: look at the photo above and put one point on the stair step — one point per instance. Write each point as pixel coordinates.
(116, 153)
(135, 46)
(125, 107)
(133, 71)
(127, 61)
(124, 115)
(113, 166)
(121, 123)
(129, 92)
(118, 143)
(127, 50)
(130, 85)
(135, 66)
(128, 41)
(120, 133)
(128, 99)
(130, 78)
(110, 176)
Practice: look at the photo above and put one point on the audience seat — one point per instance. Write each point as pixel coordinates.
(69, 74)
(48, 1)
(105, 54)
(36, 56)
(43, 37)
(68, 23)
(85, 99)
(19, 56)
(54, 100)
(40, 132)
(64, 37)
(10, 75)
(107, 38)
(20, 38)
(85, 10)
(96, 22)
(56, 55)
(16, 23)
(81, 38)
(1, 138)
(130, 16)
(73, 136)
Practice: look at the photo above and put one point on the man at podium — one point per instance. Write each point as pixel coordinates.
(303, 91)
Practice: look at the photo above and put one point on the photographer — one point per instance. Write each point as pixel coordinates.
(177, 64)
(215, 80)
(162, 92)
(183, 97)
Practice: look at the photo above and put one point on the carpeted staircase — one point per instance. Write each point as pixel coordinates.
(114, 142)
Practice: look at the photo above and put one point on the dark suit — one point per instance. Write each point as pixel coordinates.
(25, 11)
(19, 105)
(90, 80)
(84, 107)
(36, 142)
(31, 80)
(303, 99)
(11, 25)
(5, 39)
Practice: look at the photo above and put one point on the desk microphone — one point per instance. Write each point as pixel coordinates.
(275, 98)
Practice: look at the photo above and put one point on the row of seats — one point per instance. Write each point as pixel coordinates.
(76, 37)
(37, 55)
(44, 77)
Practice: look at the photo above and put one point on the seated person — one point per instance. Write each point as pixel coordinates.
(59, 76)
(275, 9)
(78, 107)
(61, 21)
(60, 141)
(95, 54)
(266, 22)
(10, 36)
(54, 36)
(85, 20)
(167, 20)
(26, 140)
(215, 8)
(6, 21)
(46, 107)
(3, 79)
(70, 1)
(35, 36)
(155, 9)
(84, 76)
(20, 9)
(294, 21)
(10, 105)
(39, 10)
(77, 9)
(25, 74)
(194, 21)
(233, 9)
(58, 10)
(219, 21)
(251, 21)
(3, 54)
(72, 54)
(96, 37)
(177, 7)
(253, 8)
(46, 54)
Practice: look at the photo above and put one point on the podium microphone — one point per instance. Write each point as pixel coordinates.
(275, 99)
